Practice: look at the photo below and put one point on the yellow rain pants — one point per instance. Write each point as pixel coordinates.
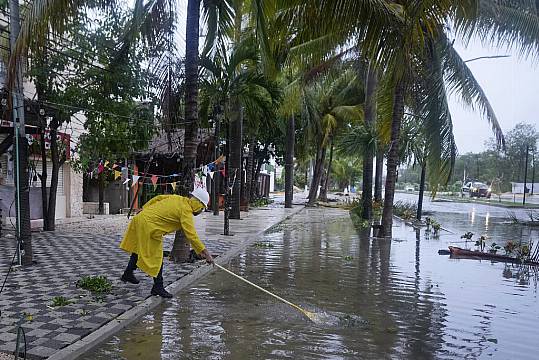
(161, 215)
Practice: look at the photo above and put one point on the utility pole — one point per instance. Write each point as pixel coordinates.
(525, 175)
(22, 190)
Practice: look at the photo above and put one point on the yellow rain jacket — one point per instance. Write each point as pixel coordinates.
(161, 215)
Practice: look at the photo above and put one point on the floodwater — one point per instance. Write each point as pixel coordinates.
(381, 299)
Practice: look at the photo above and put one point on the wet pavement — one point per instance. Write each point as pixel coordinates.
(391, 298)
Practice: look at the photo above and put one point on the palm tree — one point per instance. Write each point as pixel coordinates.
(399, 37)
(328, 104)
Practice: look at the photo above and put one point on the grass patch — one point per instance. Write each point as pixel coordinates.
(58, 301)
(261, 202)
(98, 285)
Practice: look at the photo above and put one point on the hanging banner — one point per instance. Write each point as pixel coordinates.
(135, 179)
(219, 160)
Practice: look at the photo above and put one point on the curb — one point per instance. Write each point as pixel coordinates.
(96, 337)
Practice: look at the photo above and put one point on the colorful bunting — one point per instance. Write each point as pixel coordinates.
(117, 174)
(126, 181)
(135, 179)
(173, 186)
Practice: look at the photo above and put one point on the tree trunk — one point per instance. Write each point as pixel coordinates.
(249, 171)
(254, 186)
(378, 176)
(421, 191)
(101, 178)
(55, 158)
(370, 119)
(289, 163)
(236, 147)
(180, 249)
(326, 178)
(392, 160)
(317, 175)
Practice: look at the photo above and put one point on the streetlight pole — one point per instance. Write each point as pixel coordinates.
(22, 190)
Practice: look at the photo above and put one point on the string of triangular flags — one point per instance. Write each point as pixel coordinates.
(125, 172)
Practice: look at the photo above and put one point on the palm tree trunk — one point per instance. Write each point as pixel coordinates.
(325, 183)
(249, 171)
(392, 160)
(180, 249)
(289, 163)
(421, 191)
(378, 176)
(370, 119)
(236, 147)
(317, 175)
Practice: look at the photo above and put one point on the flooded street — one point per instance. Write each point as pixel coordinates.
(383, 299)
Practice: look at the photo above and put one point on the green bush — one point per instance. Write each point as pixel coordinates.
(404, 209)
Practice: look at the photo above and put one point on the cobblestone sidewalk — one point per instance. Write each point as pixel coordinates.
(87, 249)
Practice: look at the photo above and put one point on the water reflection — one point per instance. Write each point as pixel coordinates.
(396, 299)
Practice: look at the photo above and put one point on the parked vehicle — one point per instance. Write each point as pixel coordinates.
(476, 189)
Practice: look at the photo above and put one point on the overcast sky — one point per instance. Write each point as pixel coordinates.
(512, 86)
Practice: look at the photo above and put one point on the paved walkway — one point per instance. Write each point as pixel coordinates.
(91, 248)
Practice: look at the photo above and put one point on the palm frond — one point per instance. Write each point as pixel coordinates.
(512, 24)
(461, 82)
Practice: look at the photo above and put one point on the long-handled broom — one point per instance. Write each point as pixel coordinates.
(309, 315)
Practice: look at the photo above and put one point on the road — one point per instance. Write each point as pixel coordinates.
(467, 207)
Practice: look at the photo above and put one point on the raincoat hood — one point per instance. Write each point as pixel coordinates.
(196, 205)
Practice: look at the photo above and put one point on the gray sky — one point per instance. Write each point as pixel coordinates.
(512, 86)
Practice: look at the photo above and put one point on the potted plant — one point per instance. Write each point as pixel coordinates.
(481, 243)
(428, 222)
(494, 248)
(509, 247)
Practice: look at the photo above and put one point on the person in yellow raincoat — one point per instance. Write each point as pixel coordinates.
(162, 215)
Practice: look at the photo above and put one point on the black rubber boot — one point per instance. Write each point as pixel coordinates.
(129, 277)
(160, 291)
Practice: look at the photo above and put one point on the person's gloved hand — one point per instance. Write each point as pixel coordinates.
(206, 254)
